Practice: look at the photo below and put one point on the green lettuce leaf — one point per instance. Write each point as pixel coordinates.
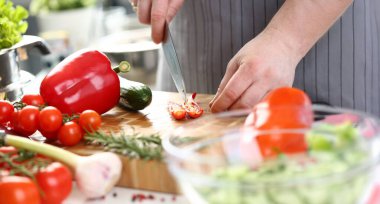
(12, 23)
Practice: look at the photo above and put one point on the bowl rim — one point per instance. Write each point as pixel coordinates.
(188, 154)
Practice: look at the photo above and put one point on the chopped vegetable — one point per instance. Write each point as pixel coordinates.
(12, 24)
(297, 179)
(190, 108)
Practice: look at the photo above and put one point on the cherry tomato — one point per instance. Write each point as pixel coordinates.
(70, 134)
(55, 181)
(18, 190)
(50, 136)
(90, 120)
(6, 110)
(283, 108)
(8, 149)
(33, 99)
(50, 119)
(14, 125)
(28, 119)
(177, 111)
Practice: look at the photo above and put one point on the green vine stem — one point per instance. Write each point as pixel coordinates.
(123, 67)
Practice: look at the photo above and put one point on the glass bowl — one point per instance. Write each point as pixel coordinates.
(216, 159)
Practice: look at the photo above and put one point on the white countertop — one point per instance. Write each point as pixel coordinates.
(125, 195)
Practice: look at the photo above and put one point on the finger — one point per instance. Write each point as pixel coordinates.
(237, 85)
(133, 2)
(173, 9)
(231, 69)
(213, 99)
(158, 19)
(143, 11)
(250, 97)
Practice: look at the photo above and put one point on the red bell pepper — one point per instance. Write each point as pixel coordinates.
(83, 81)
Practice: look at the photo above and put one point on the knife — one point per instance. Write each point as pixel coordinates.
(172, 59)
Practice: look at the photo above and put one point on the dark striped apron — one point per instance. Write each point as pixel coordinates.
(342, 69)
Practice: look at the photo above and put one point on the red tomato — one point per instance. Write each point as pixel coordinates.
(33, 99)
(50, 119)
(70, 134)
(177, 111)
(55, 182)
(90, 120)
(15, 125)
(18, 190)
(50, 136)
(8, 149)
(283, 108)
(6, 110)
(28, 119)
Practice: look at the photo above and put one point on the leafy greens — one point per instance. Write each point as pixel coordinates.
(12, 24)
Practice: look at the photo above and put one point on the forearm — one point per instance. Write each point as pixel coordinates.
(300, 23)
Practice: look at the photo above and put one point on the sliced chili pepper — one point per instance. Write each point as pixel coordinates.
(177, 111)
(192, 108)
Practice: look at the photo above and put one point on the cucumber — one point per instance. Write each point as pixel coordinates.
(134, 95)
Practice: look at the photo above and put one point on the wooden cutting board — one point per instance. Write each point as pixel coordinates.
(140, 174)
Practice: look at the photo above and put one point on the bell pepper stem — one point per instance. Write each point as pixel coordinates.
(123, 67)
(51, 151)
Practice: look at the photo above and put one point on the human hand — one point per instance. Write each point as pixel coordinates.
(263, 64)
(156, 12)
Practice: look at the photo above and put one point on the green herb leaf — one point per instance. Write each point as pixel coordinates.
(133, 145)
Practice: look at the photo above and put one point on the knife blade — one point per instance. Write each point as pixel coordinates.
(173, 62)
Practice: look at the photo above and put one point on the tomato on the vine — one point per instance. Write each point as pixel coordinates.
(50, 119)
(28, 119)
(55, 181)
(18, 190)
(6, 110)
(90, 120)
(50, 136)
(15, 125)
(33, 99)
(70, 134)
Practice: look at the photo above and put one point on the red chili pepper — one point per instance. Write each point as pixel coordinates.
(83, 81)
(190, 107)
(177, 111)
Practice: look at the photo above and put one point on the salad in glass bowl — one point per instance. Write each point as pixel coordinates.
(323, 155)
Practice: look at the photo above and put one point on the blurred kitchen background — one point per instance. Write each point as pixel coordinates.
(111, 26)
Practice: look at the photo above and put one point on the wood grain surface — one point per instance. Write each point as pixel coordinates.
(140, 174)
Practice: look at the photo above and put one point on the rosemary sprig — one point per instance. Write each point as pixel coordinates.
(133, 145)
